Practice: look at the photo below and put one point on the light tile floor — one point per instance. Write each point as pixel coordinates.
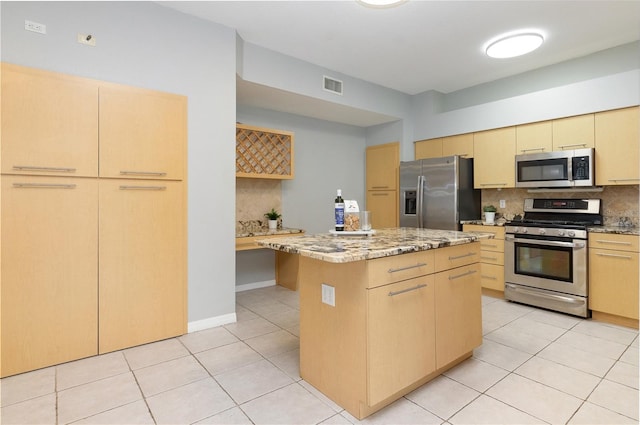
(534, 366)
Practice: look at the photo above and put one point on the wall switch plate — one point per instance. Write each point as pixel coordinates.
(35, 27)
(328, 295)
(503, 204)
(87, 39)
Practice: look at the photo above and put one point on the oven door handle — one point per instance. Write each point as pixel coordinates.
(547, 243)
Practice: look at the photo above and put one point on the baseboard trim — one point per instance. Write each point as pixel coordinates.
(211, 322)
(255, 285)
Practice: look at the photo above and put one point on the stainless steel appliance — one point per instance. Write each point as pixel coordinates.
(570, 168)
(437, 193)
(545, 254)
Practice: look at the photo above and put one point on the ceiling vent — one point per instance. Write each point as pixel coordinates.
(332, 85)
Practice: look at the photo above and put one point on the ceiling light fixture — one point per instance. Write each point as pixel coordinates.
(381, 3)
(514, 45)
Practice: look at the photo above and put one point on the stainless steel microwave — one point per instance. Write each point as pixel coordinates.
(570, 168)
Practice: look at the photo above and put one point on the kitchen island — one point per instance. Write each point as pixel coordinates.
(381, 315)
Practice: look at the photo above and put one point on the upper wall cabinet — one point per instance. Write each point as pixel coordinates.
(264, 153)
(49, 123)
(494, 152)
(573, 132)
(142, 133)
(617, 147)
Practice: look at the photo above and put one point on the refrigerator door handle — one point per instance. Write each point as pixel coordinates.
(420, 197)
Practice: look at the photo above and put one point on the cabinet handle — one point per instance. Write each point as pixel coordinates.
(584, 145)
(484, 276)
(471, 254)
(34, 168)
(142, 173)
(626, 257)
(44, 186)
(532, 149)
(143, 187)
(613, 242)
(415, 288)
(406, 268)
(458, 276)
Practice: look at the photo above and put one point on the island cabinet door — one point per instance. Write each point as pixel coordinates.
(458, 311)
(401, 335)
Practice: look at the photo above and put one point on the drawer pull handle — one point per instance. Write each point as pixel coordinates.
(143, 173)
(613, 242)
(489, 258)
(484, 276)
(44, 186)
(54, 169)
(406, 268)
(415, 288)
(458, 276)
(143, 187)
(626, 257)
(471, 254)
(584, 145)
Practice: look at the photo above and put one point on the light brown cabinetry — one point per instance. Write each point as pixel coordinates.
(617, 148)
(573, 132)
(491, 257)
(494, 152)
(88, 270)
(264, 153)
(536, 137)
(49, 123)
(142, 133)
(613, 277)
(142, 262)
(382, 164)
(49, 271)
(397, 323)
(460, 144)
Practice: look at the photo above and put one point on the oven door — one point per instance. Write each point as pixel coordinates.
(538, 262)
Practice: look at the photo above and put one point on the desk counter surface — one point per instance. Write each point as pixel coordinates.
(336, 248)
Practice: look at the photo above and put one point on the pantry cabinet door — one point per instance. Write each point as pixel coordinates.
(49, 272)
(142, 250)
(142, 133)
(49, 123)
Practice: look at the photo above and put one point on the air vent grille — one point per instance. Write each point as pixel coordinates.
(332, 85)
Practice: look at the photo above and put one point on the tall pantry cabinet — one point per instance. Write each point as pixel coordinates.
(93, 246)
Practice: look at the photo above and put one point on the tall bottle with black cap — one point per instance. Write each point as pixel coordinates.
(339, 212)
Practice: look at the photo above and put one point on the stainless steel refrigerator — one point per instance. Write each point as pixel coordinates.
(438, 193)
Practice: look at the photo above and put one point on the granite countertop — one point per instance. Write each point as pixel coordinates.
(384, 243)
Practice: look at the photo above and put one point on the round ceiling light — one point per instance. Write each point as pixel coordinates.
(514, 45)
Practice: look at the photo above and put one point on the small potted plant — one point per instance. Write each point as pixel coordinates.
(273, 217)
(489, 213)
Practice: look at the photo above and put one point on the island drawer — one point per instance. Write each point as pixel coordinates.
(382, 271)
(457, 256)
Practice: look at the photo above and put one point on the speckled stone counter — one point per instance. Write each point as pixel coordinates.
(615, 230)
(384, 243)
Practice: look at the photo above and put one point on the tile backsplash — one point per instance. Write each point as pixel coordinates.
(618, 202)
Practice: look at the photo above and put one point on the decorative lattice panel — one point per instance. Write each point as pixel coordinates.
(263, 153)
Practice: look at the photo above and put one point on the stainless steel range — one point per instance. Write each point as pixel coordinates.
(545, 254)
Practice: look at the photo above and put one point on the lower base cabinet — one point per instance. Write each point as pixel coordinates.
(49, 274)
(142, 262)
(392, 324)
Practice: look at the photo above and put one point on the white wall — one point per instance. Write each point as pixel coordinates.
(147, 45)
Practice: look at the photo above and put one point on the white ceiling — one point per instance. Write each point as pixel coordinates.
(422, 45)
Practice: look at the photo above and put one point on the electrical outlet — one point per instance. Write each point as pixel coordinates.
(503, 204)
(35, 27)
(328, 295)
(87, 39)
